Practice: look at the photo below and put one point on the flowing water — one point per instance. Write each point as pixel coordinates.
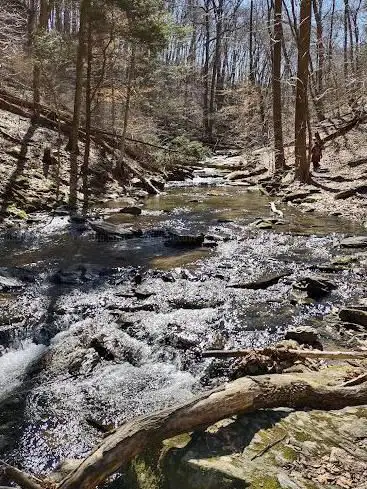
(108, 330)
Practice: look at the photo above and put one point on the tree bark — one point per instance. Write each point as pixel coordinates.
(301, 159)
(74, 150)
(277, 90)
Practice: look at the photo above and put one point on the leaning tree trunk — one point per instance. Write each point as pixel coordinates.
(277, 90)
(301, 159)
(74, 150)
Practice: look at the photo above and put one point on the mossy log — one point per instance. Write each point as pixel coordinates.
(244, 395)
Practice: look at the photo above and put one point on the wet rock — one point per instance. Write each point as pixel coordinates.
(133, 210)
(143, 292)
(354, 242)
(263, 282)
(304, 335)
(209, 243)
(179, 340)
(138, 307)
(195, 303)
(352, 315)
(83, 362)
(178, 174)
(177, 240)
(316, 286)
(9, 284)
(113, 232)
(12, 278)
(74, 276)
(99, 345)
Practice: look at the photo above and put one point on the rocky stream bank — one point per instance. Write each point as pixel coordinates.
(105, 318)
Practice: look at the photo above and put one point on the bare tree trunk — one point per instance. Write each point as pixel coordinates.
(301, 159)
(277, 89)
(206, 69)
(130, 79)
(218, 9)
(320, 47)
(74, 150)
(88, 118)
(42, 27)
(345, 45)
(251, 43)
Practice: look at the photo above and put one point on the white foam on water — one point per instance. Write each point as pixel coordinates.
(14, 364)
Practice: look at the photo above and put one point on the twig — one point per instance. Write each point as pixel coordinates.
(268, 447)
(356, 381)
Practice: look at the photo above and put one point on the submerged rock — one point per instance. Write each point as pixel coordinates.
(133, 210)
(184, 240)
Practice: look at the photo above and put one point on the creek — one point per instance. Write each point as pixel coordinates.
(95, 332)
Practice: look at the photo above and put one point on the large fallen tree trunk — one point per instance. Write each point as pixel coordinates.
(244, 395)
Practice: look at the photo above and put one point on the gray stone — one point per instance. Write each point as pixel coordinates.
(304, 335)
(354, 242)
(356, 316)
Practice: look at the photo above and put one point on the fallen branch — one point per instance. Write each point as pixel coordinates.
(21, 478)
(275, 210)
(268, 447)
(356, 381)
(331, 355)
(242, 396)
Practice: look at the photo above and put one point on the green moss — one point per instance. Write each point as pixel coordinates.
(266, 482)
(14, 211)
(288, 453)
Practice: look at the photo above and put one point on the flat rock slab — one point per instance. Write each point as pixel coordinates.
(354, 242)
(263, 282)
(356, 316)
(112, 231)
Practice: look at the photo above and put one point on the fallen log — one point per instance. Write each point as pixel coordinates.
(331, 355)
(242, 396)
(21, 478)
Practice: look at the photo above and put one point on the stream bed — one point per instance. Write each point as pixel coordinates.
(95, 332)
